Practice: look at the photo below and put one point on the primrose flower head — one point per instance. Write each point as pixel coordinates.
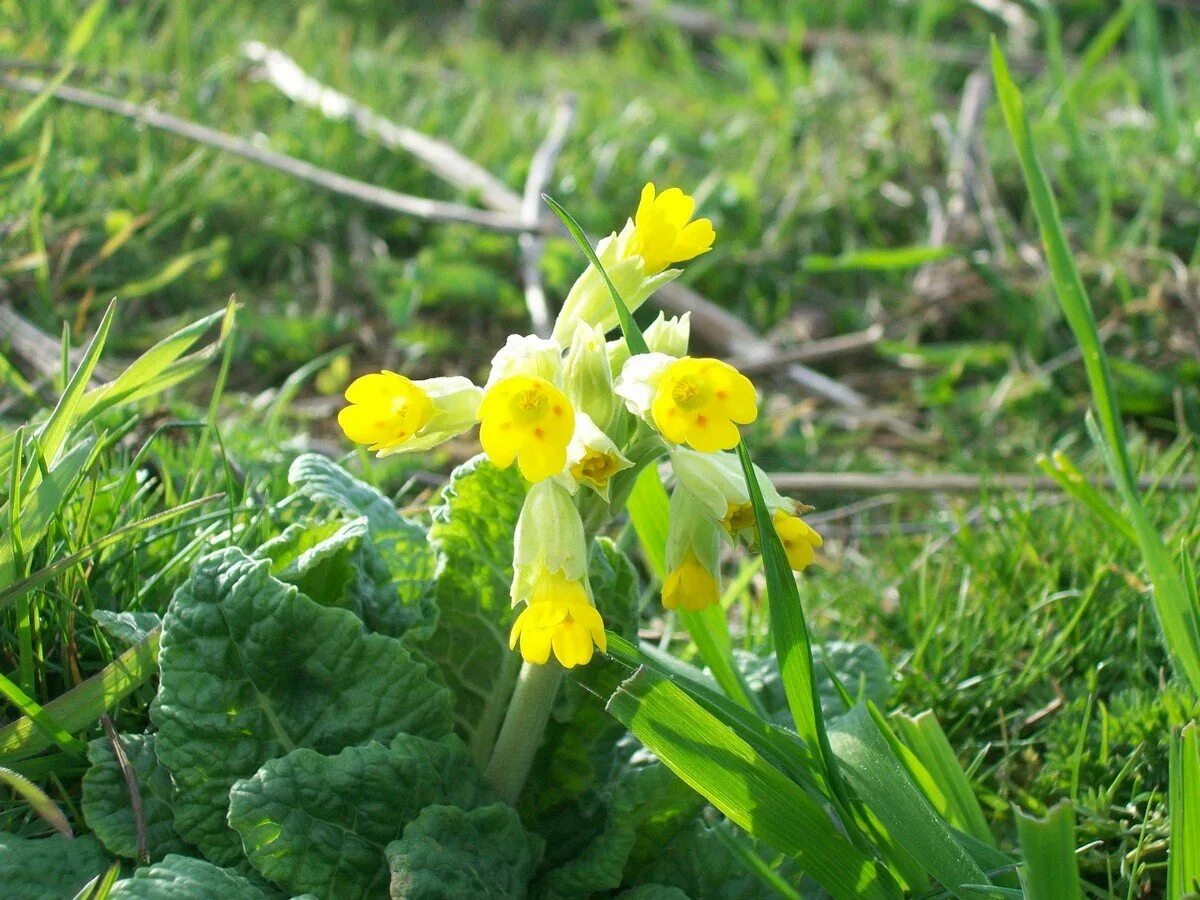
(559, 617)
(593, 459)
(527, 419)
(663, 233)
(800, 540)
(693, 549)
(394, 414)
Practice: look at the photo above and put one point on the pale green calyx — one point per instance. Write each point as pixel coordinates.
(717, 482)
(527, 355)
(669, 336)
(589, 301)
(549, 538)
(587, 379)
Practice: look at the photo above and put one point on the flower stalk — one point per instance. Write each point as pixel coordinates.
(521, 733)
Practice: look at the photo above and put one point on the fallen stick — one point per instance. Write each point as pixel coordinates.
(812, 351)
(532, 246)
(41, 351)
(716, 326)
(393, 201)
(949, 483)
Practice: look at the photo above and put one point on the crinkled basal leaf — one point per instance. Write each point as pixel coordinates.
(318, 558)
(185, 878)
(653, 892)
(578, 755)
(397, 561)
(252, 669)
(700, 864)
(321, 823)
(859, 667)
(451, 852)
(473, 532)
(106, 805)
(649, 806)
(57, 866)
(127, 627)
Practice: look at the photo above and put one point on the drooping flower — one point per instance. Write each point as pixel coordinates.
(394, 414)
(663, 233)
(550, 576)
(700, 402)
(800, 540)
(717, 481)
(692, 555)
(559, 617)
(527, 419)
(592, 457)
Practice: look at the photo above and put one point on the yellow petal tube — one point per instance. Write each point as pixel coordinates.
(800, 540)
(386, 410)
(690, 585)
(559, 617)
(663, 233)
(527, 419)
(700, 402)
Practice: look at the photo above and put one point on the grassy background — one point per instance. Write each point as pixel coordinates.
(1017, 618)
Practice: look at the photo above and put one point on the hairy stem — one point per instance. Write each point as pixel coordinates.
(521, 734)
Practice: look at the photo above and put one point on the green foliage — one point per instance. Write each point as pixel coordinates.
(1048, 848)
(252, 669)
(57, 866)
(184, 878)
(320, 823)
(472, 529)
(448, 852)
(107, 807)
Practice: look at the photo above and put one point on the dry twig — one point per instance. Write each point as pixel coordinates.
(948, 483)
(135, 794)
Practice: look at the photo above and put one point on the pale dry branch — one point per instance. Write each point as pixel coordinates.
(948, 483)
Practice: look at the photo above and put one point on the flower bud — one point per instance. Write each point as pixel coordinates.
(527, 355)
(587, 378)
(800, 540)
(693, 555)
(669, 336)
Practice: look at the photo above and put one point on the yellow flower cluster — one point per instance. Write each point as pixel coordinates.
(580, 418)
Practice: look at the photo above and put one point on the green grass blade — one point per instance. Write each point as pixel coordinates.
(41, 804)
(1048, 846)
(81, 707)
(629, 328)
(1183, 861)
(882, 784)
(923, 735)
(39, 717)
(1075, 485)
(1178, 618)
(648, 505)
(754, 795)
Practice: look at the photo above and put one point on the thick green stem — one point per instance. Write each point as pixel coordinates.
(521, 734)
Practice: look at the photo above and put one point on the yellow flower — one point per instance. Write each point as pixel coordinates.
(393, 414)
(592, 458)
(698, 402)
(662, 233)
(800, 539)
(690, 585)
(559, 617)
(527, 419)
(738, 518)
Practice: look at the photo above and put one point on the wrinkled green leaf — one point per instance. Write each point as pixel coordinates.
(473, 532)
(321, 823)
(450, 852)
(395, 566)
(186, 878)
(701, 865)
(318, 559)
(40, 868)
(648, 799)
(107, 806)
(127, 627)
(858, 666)
(252, 669)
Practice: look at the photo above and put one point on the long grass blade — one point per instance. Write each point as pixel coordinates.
(1048, 847)
(1183, 861)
